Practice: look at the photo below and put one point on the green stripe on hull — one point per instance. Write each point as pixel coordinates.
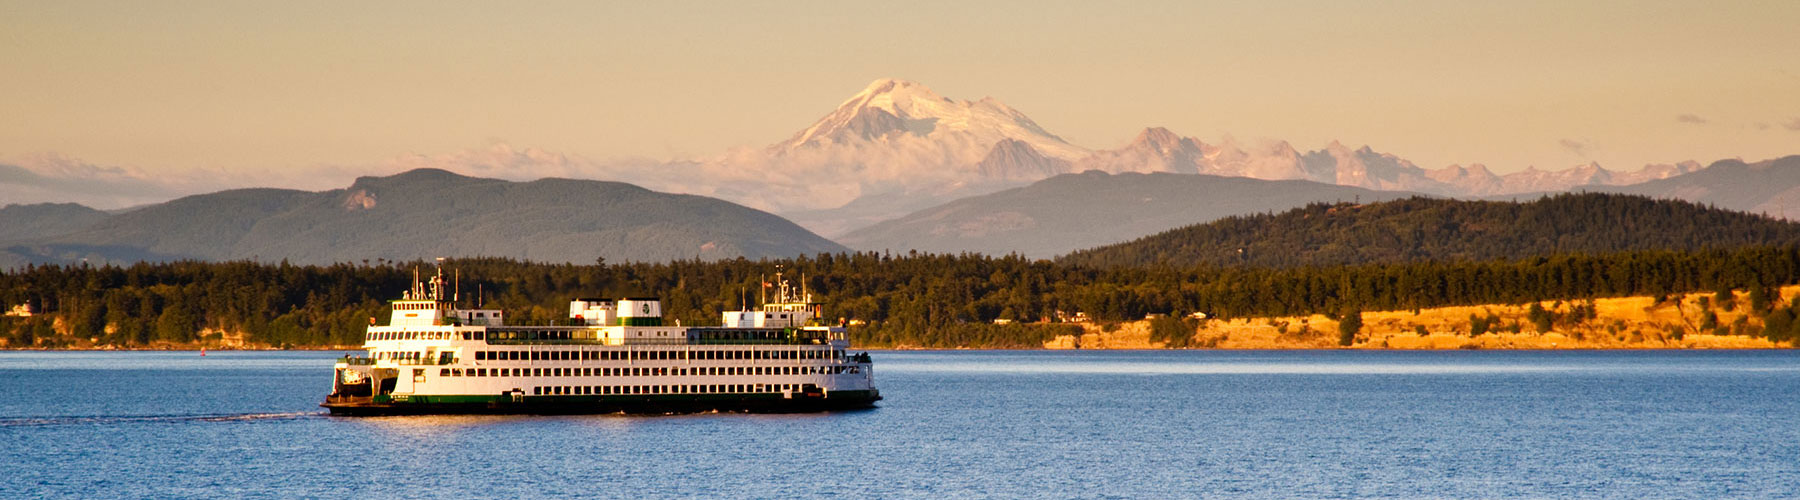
(633, 403)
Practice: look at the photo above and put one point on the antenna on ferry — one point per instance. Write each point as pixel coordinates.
(456, 296)
(437, 282)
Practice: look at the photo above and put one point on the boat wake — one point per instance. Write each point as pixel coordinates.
(128, 419)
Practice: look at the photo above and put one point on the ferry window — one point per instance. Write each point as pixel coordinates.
(480, 335)
(444, 373)
(480, 355)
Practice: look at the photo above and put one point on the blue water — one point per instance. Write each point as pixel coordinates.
(1153, 424)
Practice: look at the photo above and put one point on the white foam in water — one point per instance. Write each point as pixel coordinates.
(119, 419)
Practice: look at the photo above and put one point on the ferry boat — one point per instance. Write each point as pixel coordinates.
(614, 356)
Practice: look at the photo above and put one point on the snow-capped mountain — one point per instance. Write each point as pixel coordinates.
(1158, 149)
(897, 146)
(1015, 160)
(901, 114)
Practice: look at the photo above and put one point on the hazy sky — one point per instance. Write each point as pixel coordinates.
(250, 89)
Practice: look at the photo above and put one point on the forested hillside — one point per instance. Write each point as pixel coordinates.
(1428, 229)
(1076, 211)
(21, 222)
(425, 213)
(912, 300)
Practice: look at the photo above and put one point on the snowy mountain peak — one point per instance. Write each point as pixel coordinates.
(898, 97)
(901, 113)
(1015, 160)
(1159, 138)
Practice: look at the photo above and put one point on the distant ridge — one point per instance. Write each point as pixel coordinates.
(1074, 211)
(24, 222)
(428, 213)
(1425, 229)
(1770, 187)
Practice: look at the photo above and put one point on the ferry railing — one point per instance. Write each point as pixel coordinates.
(658, 341)
(402, 362)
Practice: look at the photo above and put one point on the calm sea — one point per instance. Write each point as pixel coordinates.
(1152, 424)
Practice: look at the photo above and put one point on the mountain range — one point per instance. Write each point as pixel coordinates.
(894, 167)
(422, 214)
(1770, 187)
(897, 147)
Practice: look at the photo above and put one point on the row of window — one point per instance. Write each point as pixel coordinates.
(399, 356)
(656, 355)
(499, 335)
(646, 372)
(413, 336)
(609, 390)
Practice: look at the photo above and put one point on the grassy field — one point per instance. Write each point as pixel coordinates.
(1692, 321)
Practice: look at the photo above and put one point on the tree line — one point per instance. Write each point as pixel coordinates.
(913, 299)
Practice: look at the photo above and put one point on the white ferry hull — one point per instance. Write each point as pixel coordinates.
(630, 404)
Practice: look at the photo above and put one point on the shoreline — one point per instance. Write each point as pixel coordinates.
(1692, 321)
(1045, 349)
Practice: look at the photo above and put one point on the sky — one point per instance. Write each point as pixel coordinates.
(193, 96)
